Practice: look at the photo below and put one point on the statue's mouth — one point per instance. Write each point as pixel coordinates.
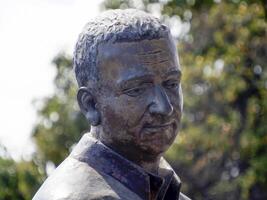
(155, 126)
(157, 129)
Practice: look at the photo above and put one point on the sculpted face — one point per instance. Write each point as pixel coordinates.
(140, 97)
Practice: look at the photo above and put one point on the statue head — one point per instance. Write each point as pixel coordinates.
(128, 72)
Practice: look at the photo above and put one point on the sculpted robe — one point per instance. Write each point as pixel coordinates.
(93, 172)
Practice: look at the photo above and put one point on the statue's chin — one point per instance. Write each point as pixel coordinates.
(157, 141)
(155, 148)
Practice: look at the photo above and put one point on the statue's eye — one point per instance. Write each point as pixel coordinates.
(171, 84)
(133, 92)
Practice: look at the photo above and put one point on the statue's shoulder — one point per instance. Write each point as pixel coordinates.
(74, 179)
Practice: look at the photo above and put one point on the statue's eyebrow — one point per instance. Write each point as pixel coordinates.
(174, 72)
(134, 79)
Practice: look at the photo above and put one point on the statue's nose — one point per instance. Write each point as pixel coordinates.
(160, 103)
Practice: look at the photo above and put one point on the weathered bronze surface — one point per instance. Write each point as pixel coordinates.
(128, 73)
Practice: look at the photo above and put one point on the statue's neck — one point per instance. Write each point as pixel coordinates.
(149, 163)
(151, 167)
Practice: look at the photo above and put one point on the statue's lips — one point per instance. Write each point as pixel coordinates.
(158, 128)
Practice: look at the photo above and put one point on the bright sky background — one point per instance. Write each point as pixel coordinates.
(32, 32)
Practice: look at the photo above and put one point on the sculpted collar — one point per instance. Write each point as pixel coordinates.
(132, 176)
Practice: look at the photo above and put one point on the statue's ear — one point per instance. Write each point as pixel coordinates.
(87, 105)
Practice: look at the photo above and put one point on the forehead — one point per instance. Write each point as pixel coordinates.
(121, 60)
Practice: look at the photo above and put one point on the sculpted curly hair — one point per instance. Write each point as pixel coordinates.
(112, 26)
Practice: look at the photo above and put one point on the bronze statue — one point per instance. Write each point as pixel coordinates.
(127, 69)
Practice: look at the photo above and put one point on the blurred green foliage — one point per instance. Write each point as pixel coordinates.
(61, 124)
(221, 151)
(18, 181)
